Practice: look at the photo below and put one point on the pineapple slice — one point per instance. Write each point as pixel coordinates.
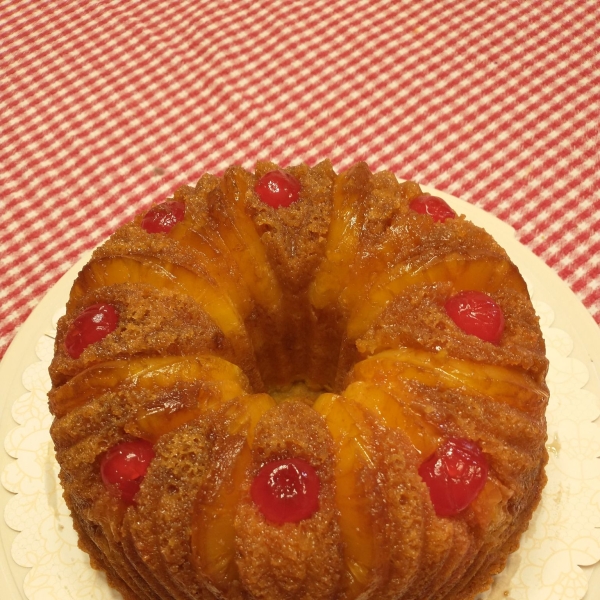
(126, 269)
(215, 258)
(213, 532)
(175, 409)
(394, 413)
(349, 266)
(324, 331)
(234, 226)
(486, 274)
(217, 304)
(349, 194)
(238, 233)
(147, 372)
(151, 424)
(502, 384)
(377, 254)
(356, 479)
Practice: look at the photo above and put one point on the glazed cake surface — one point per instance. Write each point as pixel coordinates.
(266, 387)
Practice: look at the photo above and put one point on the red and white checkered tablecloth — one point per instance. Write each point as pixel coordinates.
(106, 106)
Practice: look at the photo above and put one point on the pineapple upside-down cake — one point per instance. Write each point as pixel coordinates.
(297, 384)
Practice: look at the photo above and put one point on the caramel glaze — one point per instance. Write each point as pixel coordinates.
(249, 334)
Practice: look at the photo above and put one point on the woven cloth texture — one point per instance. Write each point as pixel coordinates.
(107, 106)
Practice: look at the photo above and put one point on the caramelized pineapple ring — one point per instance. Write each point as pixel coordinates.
(360, 517)
(349, 196)
(146, 372)
(213, 530)
(381, 240)
(109, 271)
(359, 241)
(238, 233)
(393, 411)
(502, 384)
(215, 258)
(484, 274)
(173, 409)
(234, 226)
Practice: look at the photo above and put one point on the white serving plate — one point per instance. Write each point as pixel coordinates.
(546, 567)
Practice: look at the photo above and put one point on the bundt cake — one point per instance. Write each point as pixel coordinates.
(297, 384)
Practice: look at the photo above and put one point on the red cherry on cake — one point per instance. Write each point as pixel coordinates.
(277, 188)
(476, 314)
(433, 206)
(286, 491)
(124, 466)
(92, 325)
(455, 475)
(163, 217)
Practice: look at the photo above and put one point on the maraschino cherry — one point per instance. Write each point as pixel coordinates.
(435, 207)
(92, 325)
(286, 491)
(163, 217)
(124, 466)
(477, 314)
(455, 475)
(278, 188)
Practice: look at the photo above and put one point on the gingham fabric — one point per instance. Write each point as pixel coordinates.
(107, 106)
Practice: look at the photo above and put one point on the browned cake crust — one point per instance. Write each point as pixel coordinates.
(248, 334)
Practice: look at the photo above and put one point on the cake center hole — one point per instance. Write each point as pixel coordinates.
(298, 390)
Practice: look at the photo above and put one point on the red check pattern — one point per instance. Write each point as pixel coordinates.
(107, 106)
